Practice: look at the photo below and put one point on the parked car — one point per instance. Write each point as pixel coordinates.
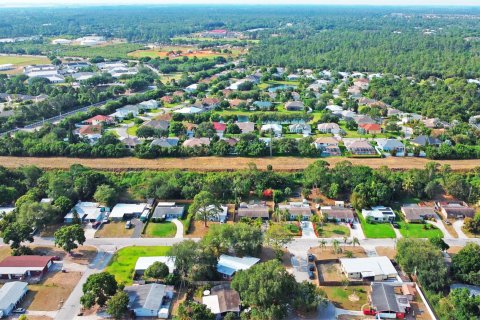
(19, 310)
(105, 221)
(369, 312)
(447, 222)
(311, 257)
(352, 226)
(128, 225)
(395, 225)
(311, 275)
(311, 267)
(96, 224)
(56, 258)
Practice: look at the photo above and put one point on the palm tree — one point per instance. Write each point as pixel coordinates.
(345, 239)
(277, 215)
(355, 241)
(336, 246)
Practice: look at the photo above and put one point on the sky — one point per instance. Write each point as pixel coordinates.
(62, 3)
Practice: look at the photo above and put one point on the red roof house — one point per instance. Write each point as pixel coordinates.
(22, 267)
(370, 128)
(99, 119)
(219, 127)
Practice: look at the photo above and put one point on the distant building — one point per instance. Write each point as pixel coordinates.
(379, 214)
(228, 265)
(294, 106)
(455, 209)
(11, 294)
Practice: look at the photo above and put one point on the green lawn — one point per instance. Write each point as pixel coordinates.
(416, 230)
(339, 296)
(133, 130)
(161, 230)
(332, 230)
(23, 60)
(123, 262)
(377, 230)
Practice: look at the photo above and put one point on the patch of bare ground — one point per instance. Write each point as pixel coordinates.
(327, 253)
(386, 251)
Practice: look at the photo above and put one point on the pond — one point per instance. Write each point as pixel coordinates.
(281, 87)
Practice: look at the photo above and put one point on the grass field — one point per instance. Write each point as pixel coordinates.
(339, 296)
(377, 230)
(114, 230)
(226, 163)
(331, 230)
(20, 61)
(416, 230)
(123, 262)
(160, 230)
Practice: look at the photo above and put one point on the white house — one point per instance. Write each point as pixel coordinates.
(371, 268)
(10, 295)
(228, 265)
(276, 128)
(220, 215)
(379, 214)
(127, 210)
(301, 128)
(391, 145)
(87, 211)
(328, 128)
(143, 263)
(150, 300)
(168, 210)
(189, 110)
(296, 209)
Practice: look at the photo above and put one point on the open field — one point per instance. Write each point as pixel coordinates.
(186, 52)
(50, 294)
(20, 61)
(224, 163)
(123, 262)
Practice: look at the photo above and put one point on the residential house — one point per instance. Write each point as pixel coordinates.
(131, 142)
(386, 303)
(369, 269)
(364, 119)
(296, 209)
(167, 99)
(253, 211)
(369, 128)
(168, 210)
(87, 212)
(246, 127)
(190, 127)
(294, 106)
(323, 142)
(164, 116)
(293, 77)
(361, 83)
(234, 103)
(25, 267)
(210, 103)
(222, 300)
(454, 209)
(219, 128)
(263, 105)
(220, 215)
(416, 213)
(143, 263)
(295, 96)
(150, 300)
(228, 265)
(276, 128)
(410, 291)
(304, 129)
(126, 211)
(191, 88)
(393, 146)
(360, 147)
(11, 294)
(99, 119)
(165, 142)
(91, 132)
(379, 214)
(354, 92)
(330, 127)
(161, 125)
(125, 111)
(334, 109)
(196, 142)
(338, 214)
(189, 110)
(432, 123)
(423, 141)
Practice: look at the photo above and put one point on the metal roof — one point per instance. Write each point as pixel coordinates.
(10, 293)
(384, 298)
(229, 265)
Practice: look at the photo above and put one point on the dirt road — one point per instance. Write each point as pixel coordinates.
(220, 164)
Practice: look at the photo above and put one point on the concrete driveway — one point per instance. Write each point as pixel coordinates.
(307, 230)
(439, 224)
(357, 231)
(457, 225)
(179, 225)
(138, 225)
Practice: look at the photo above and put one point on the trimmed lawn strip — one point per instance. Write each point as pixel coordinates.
(123, 262)
(161, 230)
(416, 230)
(332, 230)
(377, 230)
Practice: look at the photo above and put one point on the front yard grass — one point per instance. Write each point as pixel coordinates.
(114, 230)
(123, 262)
(332, 230)
(341, 297)
(416, 230)
(161, 230)
(133, 130)
(376, 230)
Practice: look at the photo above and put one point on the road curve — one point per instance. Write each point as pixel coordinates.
(224, 163)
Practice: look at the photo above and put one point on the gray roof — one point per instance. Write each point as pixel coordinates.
(383, 298)
(417, 212)
(338, 212)
(254, 211)
(425, 140)
(163, 211)
(11, 293)
(157, 124)
(165, 142)
(147, 296)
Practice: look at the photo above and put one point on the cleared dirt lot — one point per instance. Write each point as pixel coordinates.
(223, 163)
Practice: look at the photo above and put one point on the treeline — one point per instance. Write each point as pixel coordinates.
(450, 99)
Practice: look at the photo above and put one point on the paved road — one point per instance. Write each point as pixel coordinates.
(71, 307)
(457, 225)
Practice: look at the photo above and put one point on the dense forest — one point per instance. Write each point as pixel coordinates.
(426, 42)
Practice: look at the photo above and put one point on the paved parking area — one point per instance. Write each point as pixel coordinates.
(307, 230)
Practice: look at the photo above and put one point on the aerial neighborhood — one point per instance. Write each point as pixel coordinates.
(301, 162)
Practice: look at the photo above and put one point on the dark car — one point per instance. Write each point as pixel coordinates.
(311, 257)
(395, 225)
(352, 226)
(311, 275)
(19, 310)
(447, 222)
(56, 258)
(311, 267)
